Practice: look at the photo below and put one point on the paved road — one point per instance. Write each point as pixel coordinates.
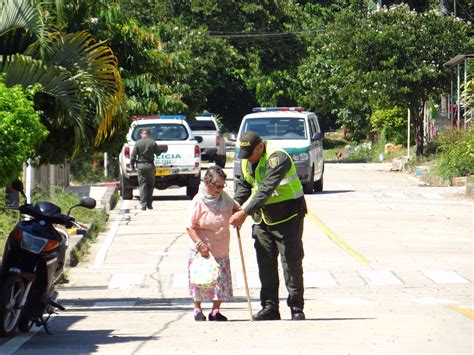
(388, 269)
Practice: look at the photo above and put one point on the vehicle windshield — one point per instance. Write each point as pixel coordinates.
(276, 128)
(163, 131)
(202, 126)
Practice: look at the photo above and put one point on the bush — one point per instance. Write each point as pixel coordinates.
(20, 131)
(88, 168)
(391, 124)
(456, 153)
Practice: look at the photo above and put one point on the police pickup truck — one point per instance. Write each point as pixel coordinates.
(179, 166)
(213, 143)
(294, 130)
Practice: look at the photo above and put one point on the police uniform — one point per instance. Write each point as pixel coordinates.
(143, 156)
(278, 207)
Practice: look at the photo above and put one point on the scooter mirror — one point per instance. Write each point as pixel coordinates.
(17, 185)
(87, 202)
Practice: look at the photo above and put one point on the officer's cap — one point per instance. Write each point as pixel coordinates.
(248, 141)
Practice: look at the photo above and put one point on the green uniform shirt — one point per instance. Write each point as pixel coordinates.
(273, 177)
(144, 152)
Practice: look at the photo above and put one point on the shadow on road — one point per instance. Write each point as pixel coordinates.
(330, 192)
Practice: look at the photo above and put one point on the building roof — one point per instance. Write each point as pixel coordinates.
(460, 58)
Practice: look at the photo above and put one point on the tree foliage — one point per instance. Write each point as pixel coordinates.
(20, 131)
(80, 83)
(394, 57)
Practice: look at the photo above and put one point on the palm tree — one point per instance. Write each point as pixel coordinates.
(79, 87)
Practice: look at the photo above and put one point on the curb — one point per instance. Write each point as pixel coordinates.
(107, 202)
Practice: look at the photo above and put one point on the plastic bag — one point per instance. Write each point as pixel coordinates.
(204, 272)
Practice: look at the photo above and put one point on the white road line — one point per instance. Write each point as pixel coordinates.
(180, 281)
(252, 279)
(126, 281)
(445, 277)
(318, 278)
(12, 346)
(377, 187)
(379, 277)
(100, 258)
(114, 304)
(432, 195)
(397, 195)
(432, 300)
(350, 301)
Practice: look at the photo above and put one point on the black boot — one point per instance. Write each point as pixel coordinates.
(297, 313)
(267, 313)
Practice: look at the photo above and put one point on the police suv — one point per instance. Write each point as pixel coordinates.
(179, 166)
(294, 130)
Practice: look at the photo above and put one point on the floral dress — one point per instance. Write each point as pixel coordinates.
(210, 219)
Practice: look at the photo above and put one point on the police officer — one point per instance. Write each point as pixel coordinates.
(143, 160)
(278, 207)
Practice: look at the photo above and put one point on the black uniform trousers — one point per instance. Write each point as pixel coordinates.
(284, 239)
(146, 183)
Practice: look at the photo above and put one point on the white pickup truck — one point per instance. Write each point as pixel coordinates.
(213, 143)
(179, 166)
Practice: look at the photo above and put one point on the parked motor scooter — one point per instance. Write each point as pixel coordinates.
(33, 260)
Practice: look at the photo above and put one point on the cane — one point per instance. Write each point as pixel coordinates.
(245, 275)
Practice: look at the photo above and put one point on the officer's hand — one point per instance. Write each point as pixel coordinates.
(238, 218)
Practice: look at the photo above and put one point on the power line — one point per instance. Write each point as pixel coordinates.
(259, 34)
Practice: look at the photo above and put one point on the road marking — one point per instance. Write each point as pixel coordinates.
(100, 258)
(377, 187)
(396, 195)
(432, 300)
(180, 281)
(465, 312)
(379, 277)
(126, 280)
(432, 195)
(318, 278)
(252, 279)
(350, 301)
(114, 304)
(445, 277)
(12, 346)
(337, 240)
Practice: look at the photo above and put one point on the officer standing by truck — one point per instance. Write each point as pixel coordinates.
(143, 160)
(278, 207)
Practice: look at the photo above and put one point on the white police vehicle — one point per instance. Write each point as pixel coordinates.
(179, 166)
(294, 130)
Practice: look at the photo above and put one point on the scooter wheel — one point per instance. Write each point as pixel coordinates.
(25, 324)
(11, 295)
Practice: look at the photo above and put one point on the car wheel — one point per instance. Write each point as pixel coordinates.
(125, 191)
(193, 186)
(220, 160)
(309, 186)
(318, 185)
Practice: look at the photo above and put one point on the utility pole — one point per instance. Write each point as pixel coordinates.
(442, 8)
(454, 8)
(379, 5)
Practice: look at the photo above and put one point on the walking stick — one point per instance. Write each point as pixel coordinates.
(245, 275)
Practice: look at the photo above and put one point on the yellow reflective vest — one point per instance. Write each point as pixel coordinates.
(274, 211)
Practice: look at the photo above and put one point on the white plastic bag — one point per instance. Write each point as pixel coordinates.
(204, 272)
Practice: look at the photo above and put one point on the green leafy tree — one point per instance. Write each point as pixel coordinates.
(384, 59)
(80, 83)
(20, 131)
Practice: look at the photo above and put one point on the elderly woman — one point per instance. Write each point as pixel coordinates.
(208, 227)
